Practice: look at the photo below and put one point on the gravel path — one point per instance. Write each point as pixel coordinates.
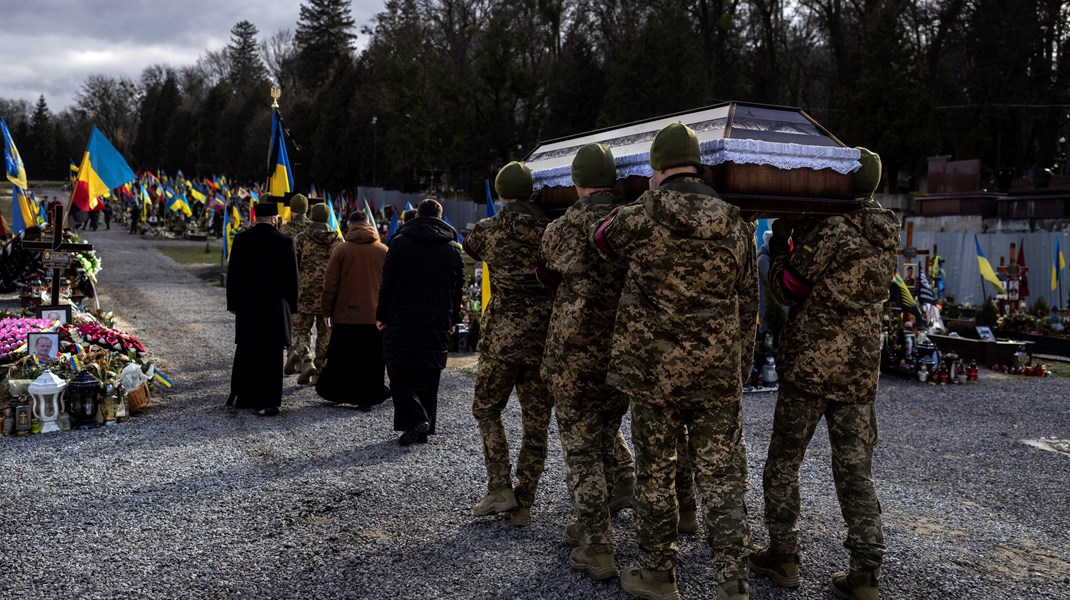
(192, 501)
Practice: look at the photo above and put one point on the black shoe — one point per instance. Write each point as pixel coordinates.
(413, 435)
(422, 439)
(268, 412)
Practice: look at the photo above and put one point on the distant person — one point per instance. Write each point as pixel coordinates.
(354, 372)
(419, 307)
(262, 296)
(314, 246)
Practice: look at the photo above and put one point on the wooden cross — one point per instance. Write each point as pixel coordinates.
(56, 254)
(1013, 272)
(909, 253)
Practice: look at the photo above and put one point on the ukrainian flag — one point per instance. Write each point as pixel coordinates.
(485, 286)
(102, 169)
(13, 167)
(23, 211)
(1058, 263)
(231, 222)
(986, 269)
(199, 193)
(177, 203)
(280, 176)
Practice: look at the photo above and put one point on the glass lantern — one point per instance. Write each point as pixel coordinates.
(47, 393)
(83, 394)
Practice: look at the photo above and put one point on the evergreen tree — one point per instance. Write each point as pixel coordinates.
(246, 71)
(41, 148)
(324, 36)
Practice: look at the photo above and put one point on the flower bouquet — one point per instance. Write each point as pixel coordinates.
(13, 331)
(110, 339)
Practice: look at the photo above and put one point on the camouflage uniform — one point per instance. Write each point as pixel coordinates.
(512, 336)
(835, 283)
(297, 353)
(314, 247)
(589, 412)
(295, 225)
(681, 348)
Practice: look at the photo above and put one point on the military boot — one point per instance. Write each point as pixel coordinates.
(621, 495)
(497, 501)
(292, 362)
(735, 589)
(594, 560)
(856, 585)
(651, 585)
(783, 569)
(307, 374)
(688, 522)
(520, 516)
(573, 534)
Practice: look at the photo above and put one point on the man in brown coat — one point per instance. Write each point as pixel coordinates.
(348, 303)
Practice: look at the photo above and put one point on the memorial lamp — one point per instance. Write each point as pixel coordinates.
(47, 393)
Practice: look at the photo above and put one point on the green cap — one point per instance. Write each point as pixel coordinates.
(514, 181)
(593, 167)
(868, 177)
(675, 146)
(298, 204)
(319, 213)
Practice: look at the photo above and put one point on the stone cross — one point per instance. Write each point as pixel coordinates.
(56, 254)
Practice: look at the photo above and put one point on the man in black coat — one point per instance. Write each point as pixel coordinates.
(261, 294)
(419, 306)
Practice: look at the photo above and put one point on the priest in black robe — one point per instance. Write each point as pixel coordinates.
(262, 295)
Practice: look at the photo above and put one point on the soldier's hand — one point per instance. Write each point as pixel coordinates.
(380, 326)
(327, 323)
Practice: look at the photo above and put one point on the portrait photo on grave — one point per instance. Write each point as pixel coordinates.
(56, 313)
(910, 275)
(43, 345)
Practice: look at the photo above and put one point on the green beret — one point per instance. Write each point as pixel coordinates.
(514, 181)
(868, 177)
(675, 146)
(320, 213)
(298, 204)
(593, 167)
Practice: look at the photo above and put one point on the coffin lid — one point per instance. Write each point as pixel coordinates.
(736, 132)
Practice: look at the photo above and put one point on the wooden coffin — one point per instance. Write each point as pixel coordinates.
(744, 149)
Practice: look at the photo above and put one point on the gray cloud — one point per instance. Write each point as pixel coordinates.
(50, 46)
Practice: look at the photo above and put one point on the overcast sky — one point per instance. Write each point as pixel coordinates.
(50, 46)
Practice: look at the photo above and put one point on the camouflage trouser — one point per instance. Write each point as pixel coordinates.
(302, 340)
(685, 477)
(852, 430)
(494, 383)
(715, 443)
(594, 452)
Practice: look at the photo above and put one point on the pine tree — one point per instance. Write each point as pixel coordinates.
(324, 35)
(41, 147)
(246, 69)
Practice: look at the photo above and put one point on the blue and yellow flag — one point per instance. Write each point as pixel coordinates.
(103, 169)
(393, 225)
(23, 211)
(231, 222)
(198, 191)
(176, 202)
(280, 176)
(1058, 263)
(986, 269)
(13, 167)
(485, 286)
(900, 295)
